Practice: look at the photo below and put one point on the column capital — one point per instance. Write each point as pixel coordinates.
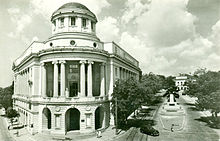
(62, 61)
(90, 62)
(43, 64)
(82, 61)
(55, 62)
(102, 64)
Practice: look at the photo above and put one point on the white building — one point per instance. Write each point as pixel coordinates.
(65, 83)
(180, 82)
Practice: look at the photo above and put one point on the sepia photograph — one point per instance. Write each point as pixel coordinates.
(110, 70)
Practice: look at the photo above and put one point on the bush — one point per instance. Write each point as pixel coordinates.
(11, 113)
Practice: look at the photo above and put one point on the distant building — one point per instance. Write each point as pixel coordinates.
(65, 83)
(180, 82)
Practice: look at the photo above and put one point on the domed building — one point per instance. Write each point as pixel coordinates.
(65, 83)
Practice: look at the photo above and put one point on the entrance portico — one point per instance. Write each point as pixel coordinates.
(65, 78)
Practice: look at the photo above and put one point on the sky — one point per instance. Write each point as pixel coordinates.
(167, 37)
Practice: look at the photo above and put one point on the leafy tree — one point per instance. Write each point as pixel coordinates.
(169, 82)
(11, 113)
(206, 87)
(128, 98)
(131, 94)
(6, 96)
(149, 85)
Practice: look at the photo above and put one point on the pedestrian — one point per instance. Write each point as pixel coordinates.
(98, 133)
(172, 128)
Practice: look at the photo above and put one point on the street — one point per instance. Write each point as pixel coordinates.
(193, 130)
(4, 134)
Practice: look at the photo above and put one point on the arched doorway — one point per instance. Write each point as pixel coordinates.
(99, 117)
(46, 119)
(72, 119)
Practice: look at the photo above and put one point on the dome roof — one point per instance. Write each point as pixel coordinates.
(74, 7)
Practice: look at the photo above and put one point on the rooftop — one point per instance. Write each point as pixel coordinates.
(73, 7)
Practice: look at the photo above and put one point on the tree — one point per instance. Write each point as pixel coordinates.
(6, 96)
(11, 113)
(206, 87)
(169, 82)
(128, 97)
(149, 85)
(131, 94)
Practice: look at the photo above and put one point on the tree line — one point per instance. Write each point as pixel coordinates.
(129, 95)
(6, 96)
(205, 85)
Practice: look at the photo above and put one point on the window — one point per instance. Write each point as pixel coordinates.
(73, 89)
(83, 22)
(54, 24)
(29, 106)
(116, 72)
(72, 21)
(73, 68)
(93, 26)
(61, 22)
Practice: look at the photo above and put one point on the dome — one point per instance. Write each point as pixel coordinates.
(74, 7)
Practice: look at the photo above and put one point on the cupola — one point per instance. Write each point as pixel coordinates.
(73, 17)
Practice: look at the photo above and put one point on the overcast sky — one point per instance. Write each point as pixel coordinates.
(166, 36)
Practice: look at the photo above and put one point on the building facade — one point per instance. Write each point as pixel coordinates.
(65, 83)
(180, 82)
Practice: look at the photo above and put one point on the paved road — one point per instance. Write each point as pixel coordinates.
(4, 134)
(193, 130)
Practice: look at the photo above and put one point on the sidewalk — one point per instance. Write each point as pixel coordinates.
(24, 135)
(107, 135)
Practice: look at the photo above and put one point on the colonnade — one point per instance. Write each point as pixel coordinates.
(63, 78)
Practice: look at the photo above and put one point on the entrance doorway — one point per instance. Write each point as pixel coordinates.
(73, 89)
(99, 117)
(72, 119)
(46, 119)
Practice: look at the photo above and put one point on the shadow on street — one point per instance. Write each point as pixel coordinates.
(210, 121)
(137, 123)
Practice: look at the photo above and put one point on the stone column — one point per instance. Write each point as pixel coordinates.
(102, 87)
(55, 79)
(82, 78)
(89, 78)
(63, 78)
(44, 80)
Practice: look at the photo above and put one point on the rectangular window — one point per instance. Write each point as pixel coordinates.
(61, 22)
(54, 25)
(73, 89)
(29, 106)
(83, 22)
(92, 26)
(73, 68)
(116, 72)
(72, 21)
